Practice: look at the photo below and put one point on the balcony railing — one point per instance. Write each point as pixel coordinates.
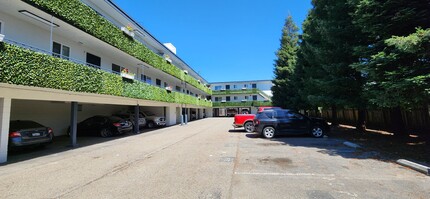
(241, 104)
(238, 92)
(76, 61)
(39, 50)
(44, 70)
(232, 92)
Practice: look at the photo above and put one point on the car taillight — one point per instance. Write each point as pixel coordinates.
(50, 131)
(117, 124)
(14, 134)
(256, 122)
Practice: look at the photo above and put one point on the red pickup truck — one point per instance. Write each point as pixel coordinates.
(247, 120)
(244, 120)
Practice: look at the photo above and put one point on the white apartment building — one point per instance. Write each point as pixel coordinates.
(61, 63)
(234, 97)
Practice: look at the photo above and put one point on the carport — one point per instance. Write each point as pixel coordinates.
(61, 109)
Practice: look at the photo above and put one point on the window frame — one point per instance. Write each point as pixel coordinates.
(61, 54)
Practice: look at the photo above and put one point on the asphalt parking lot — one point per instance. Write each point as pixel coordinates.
(209, 159)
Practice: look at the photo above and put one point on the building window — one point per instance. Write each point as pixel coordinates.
(227, 98)
(191, 93)
(178, 88)
(165, 84)
(1, 27)
(117, 69)
(245, 86)
(158, 82)
(235, 98)
(217, 88)
(59, 50)
(254, 97)
(234, 86)
(148, 80)
(254, 85)
(227, 87)
(93, 60)
(188, 92)
(246, 97)
(217, 99)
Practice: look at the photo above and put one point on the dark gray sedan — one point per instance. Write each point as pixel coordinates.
(26, 133)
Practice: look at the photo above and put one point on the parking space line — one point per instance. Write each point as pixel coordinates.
(285, 174)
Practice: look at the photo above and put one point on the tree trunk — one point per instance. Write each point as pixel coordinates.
(361, 122)
(398, 126)
(334, 121)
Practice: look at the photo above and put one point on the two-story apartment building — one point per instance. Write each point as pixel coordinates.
(230, 98)
(64, 61)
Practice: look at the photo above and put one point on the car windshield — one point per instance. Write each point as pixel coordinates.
(16, 125)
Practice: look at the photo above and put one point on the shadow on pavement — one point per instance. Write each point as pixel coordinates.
(378, 146)
(237, 131)
(60, 144)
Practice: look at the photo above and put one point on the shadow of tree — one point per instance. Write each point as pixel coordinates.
(374, 145)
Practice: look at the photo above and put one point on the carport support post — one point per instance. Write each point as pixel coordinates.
(182, 116)
(5, 104)
(186, 116)
(73, 123)
(136, 119)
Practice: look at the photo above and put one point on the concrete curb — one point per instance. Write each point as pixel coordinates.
(350, 144)
(414, 166)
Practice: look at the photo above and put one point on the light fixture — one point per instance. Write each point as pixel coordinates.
(38, 18)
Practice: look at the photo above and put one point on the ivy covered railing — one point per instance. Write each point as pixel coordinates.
(83, 17)
(241, 104)
(243, 91)
(25, 67)
(232, 92)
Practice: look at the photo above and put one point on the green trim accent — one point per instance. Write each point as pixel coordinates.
(232, 92)
(238, 92)
(240, 104)
(85, 18)
(25, 67)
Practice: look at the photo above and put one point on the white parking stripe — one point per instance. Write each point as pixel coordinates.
(285, 174)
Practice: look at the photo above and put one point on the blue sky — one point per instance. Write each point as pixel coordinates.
(222, 40)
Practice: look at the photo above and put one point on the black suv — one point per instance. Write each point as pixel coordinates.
(270, 123)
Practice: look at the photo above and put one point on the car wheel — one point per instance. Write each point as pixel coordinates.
(268, 132)
(317, 132)
(249, 127)
(151, 125)
(105, 133)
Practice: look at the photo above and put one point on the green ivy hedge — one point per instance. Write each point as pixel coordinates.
(240, 104)
(25, 67)
(232, 92)
(83, 17)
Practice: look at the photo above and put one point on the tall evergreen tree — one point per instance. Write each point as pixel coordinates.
(329, 37)
(396, 77)
(283, 91)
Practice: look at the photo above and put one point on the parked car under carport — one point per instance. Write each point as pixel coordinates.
(103, 126)
(28, 133)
